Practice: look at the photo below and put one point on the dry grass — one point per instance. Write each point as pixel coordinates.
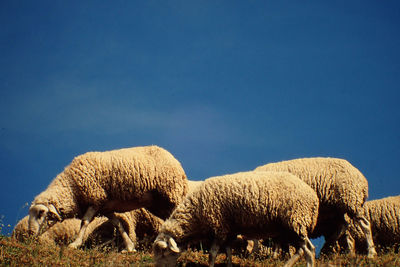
(14, 253)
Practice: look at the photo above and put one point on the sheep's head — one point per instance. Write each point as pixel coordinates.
(165, 251)
(40, 214)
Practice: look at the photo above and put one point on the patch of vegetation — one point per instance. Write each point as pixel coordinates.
(29, 252)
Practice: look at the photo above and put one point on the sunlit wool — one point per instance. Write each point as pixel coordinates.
(256, 204)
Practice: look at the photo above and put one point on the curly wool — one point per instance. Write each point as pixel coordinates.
(193, 185)
(337, 183)
(95, 178)
(256, 204)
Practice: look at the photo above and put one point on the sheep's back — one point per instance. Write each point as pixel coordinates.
(336, 182)
(257, 200)
(127, 174)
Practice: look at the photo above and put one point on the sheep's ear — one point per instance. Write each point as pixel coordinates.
(172, 245)
(53, 213)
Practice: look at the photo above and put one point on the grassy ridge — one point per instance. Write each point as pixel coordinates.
(14, 253)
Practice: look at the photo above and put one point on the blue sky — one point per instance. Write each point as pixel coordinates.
(223, 85)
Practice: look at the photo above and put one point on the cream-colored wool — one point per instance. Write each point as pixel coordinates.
(193, 185)
(255, 204)
(112, 181)
(384, 215)
(341, 189)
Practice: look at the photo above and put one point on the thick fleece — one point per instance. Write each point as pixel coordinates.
(112, 181)
(255, 204)
(341, 188)
(384, 215)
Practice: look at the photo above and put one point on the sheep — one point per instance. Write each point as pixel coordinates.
(59, 233)
(112, 181)
(138, 222)
(341, 188)
(384, 216)
(255, 204)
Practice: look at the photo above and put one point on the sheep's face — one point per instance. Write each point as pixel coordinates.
(40, 214)
(165, 251)
(37, 216)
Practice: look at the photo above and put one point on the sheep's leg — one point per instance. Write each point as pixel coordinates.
(366, 227)
(309, 250)
(213, 253)
(350, 244)
(276, 248)
(129, 246)
(87, 218)
(250, 246)
(294, 258)
(229, 255)
(256, 246)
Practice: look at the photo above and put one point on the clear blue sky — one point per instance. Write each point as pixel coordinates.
(223, 85)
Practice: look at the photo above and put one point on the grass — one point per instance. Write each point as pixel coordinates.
(29, 252)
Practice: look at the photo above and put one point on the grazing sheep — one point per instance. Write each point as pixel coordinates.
(113, 181)
(139, 223)
(60, 233)
(384, 216)
(341, 188)
(255, 204)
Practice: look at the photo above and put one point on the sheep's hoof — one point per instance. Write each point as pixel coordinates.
(73, 245)
(125, 251)
(372, 253)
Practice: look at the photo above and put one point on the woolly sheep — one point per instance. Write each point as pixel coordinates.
(384, 215)
(139, 223)
(255, 204)
(341, 188)
(112, 181)
(60, 233)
